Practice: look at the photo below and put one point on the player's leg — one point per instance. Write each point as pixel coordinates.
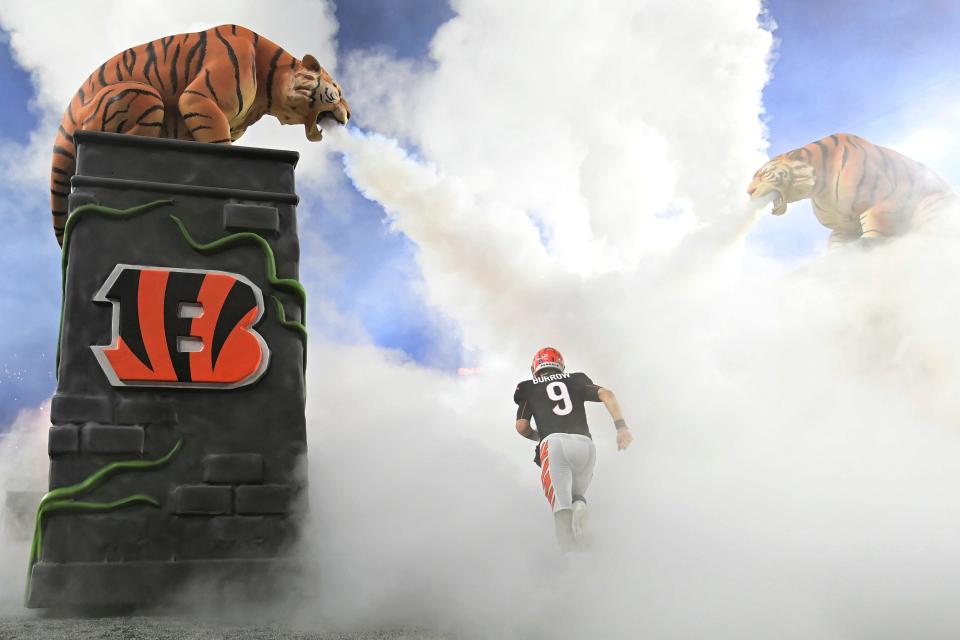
(578, 523)
(563, 527)
(556, 476)
(583, 458)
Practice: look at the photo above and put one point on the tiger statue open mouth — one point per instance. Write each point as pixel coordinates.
(781, 181)
(313, 97)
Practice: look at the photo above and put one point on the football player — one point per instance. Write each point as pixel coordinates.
(564, 451)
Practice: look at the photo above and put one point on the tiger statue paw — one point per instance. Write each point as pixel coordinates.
(868, 243)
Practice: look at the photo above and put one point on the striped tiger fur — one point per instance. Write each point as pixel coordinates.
(207, 86)
(858, 190)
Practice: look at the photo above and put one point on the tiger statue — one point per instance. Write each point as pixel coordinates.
(207, 86)
(859, 190)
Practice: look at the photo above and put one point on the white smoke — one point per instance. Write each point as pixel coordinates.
(23, 478)
(602, 126)
(795, 430)
(562, 147)
(573, 175)
(792, 477)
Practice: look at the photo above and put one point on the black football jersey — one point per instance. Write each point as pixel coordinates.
(555, 401)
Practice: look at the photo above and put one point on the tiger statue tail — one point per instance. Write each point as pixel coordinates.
(64, 167)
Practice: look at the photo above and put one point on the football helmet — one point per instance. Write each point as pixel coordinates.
(547, 357)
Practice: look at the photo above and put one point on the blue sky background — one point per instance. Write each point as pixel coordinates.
(878, 68)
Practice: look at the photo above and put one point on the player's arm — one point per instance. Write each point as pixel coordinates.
(524, 413)
(609, 400)
(527, 431)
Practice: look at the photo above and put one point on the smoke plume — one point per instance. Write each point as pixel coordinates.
(574, 177)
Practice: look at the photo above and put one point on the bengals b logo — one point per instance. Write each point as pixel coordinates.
(182, 328)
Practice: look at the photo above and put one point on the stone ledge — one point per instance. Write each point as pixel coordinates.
(111, 584)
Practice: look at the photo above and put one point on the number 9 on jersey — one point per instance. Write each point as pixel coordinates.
(558, 392)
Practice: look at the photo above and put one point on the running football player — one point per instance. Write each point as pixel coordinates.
(565, 451)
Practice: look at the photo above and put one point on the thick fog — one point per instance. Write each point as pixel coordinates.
(576, 178)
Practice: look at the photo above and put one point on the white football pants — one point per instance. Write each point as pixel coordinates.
(566, 468)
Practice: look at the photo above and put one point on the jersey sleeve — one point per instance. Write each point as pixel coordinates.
(524, 410)
(591, 392)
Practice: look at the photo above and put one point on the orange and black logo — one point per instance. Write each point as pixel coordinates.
(182, 328)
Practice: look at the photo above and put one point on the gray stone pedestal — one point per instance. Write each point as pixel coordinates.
(182, 323)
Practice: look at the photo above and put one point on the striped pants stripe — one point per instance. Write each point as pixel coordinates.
(566, 468)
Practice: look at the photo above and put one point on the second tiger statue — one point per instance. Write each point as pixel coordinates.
(858, 190)
(207, 86)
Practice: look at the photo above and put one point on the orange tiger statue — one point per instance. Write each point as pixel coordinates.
(858, 190)
(207, 86)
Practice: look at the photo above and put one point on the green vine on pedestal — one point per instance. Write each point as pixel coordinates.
(62, 498)
(293, 325)
(75, 216)
(288, 284)
(270, 263)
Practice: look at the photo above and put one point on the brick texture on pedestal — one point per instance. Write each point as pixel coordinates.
(63, 439)
(202, 500)
(233, 468)
(105, 438)
(263, 499)
(75, 408)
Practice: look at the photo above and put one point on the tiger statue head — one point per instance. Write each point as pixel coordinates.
(785, 179)
(311, 96)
